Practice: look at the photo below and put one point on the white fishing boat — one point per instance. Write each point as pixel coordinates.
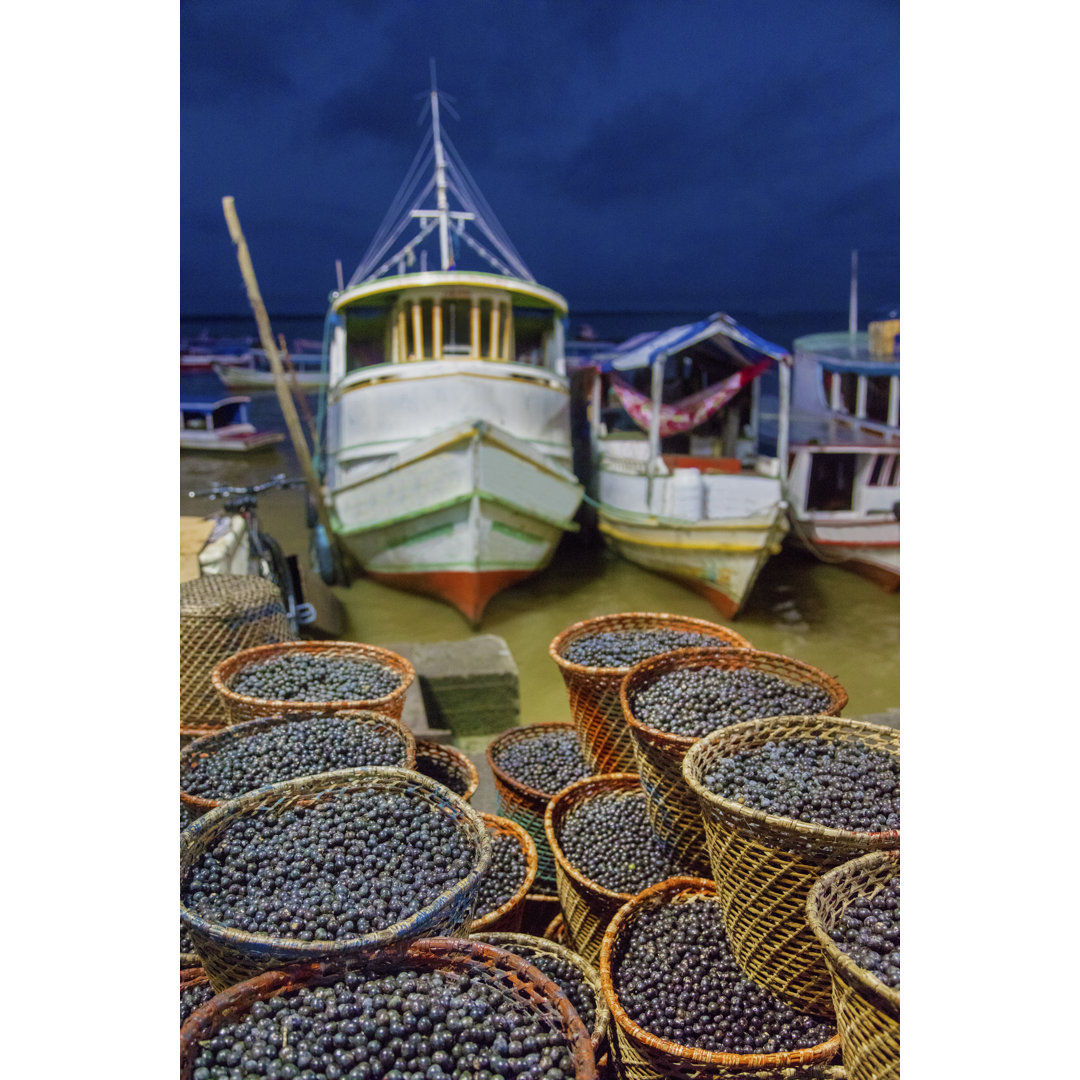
(448, 461)
(690, 494)
(304, 369)
(844, 442)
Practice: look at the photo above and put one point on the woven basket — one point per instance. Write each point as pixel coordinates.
(673, 807)
(527, 946)
(211, 744)
(643, 1056)
(515, 978)
(594, 691)
(524, 804)
(556, 930)
(867, 1010)
(449, 760)
(764, 865)
(508, 916)
(539, 911)
(219, 615)
(587, 906)
(230, 956)
(241, 707)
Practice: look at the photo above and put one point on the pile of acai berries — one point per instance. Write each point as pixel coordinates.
(285, 751)
(403, 1026)
(609, 840)
(695, 701)
(505, 876)
(677, 978)
(545, 761)
(567, 976)
(869, 932)
(191, 997)
(838, 783)
(344, 866)
(304, 676)
(625, 648)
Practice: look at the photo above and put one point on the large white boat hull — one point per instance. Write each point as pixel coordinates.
(870, 547)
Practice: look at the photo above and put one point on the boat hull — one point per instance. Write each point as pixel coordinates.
(459, 515)
(238, 378)
(871, 549)
(719, 560)
(229, 443)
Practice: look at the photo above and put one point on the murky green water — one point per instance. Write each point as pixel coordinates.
(820, 614)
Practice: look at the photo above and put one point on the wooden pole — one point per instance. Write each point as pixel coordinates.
(288, 406)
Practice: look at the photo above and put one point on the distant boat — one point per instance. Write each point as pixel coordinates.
(308, 371)
(844, 441)
(211, 419)
(448, 460)
(203, 353)
(712, 512)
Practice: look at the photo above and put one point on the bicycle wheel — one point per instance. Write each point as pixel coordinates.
(274, 567)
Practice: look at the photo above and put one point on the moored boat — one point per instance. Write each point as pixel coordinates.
(448, 462)
(212, 419)
(307, 370)
(690, 493)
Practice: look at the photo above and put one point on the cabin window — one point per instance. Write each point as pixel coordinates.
(849, 390)
(877, 398)
(531, 326)
(832, 482)
(876, 470)
(894, 473)
(366, 334)
(193, 421)
(455, 328)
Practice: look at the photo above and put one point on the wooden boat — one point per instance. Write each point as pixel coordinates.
(705, 508)
(448, 461)
(211, 419)
(844, 441)
(308, 371)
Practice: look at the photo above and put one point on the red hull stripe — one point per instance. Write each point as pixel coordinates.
(467, 591)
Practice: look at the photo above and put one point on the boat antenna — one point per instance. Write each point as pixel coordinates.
(853, 299)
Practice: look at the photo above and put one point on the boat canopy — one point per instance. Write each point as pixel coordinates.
(206, 393)
(846, 354)
(647, 349)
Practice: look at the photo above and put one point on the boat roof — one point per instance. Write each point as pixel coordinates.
(206, 393)
(380, 291)
(654, 347)
(846, 354)
(850, 434)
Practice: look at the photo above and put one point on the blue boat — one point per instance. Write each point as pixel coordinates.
(213, 419)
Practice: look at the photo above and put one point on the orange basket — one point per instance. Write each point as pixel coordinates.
(433, 758)
(507, 917)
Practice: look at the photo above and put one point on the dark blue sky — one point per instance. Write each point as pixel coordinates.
(682, 155)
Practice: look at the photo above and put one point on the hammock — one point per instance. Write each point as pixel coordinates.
(692, 411)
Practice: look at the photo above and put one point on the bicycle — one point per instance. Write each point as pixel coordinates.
(264, 557)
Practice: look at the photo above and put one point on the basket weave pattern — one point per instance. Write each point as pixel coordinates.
(587, 906)
(523, 804)
(240, 707)
(508, 916)
(594, 691)
(641, 1055)
(378, 722)
(219, 615)
(764, 865)
(673, 807)
(867, 1010)
(527, 946)
(229, 955)
(452, 761)
(515, 979)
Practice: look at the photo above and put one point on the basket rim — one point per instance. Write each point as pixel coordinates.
(460, 757)
(532, 865)
(827, 683)
(505, 777)
(553, 928)
(546, 945)
(238, 660)
(430, 952)
(189, 960)
(879, 994)
(682, 886)
(595, 623)
(887, 838)
(231, 936)
(616, 782)
(247, 728)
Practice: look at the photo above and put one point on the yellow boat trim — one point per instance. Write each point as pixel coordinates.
(545, 378)
(629, 538)
(448, 279)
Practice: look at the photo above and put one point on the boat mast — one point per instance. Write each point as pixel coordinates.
(853, 299)
(442, 204)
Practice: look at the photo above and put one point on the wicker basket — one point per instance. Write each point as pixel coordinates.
(508, 916)
(387, 725)
(514, 977)
(673, 807)
(219, 615)
(587, 906)
(241, 707)
(230, 955)
(524, 804)
(867, 1010)
(527, 946)
(556, 930)
(643, 1056)
(764, 865)
(539, 911)
(450, 760)
(594, 691)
